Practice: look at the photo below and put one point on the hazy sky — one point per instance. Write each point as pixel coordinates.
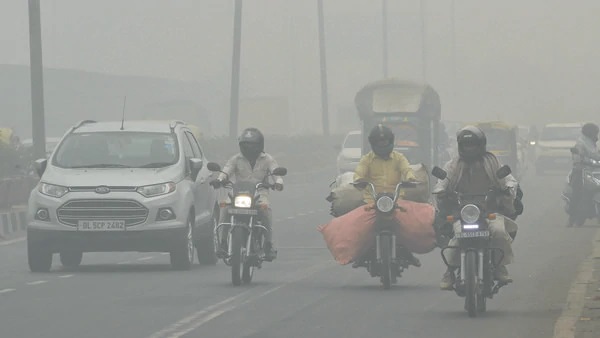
(513, 57)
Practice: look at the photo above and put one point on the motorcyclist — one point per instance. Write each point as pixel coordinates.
(251, 164)
(473, 171)
(587, 149)
(385, 169)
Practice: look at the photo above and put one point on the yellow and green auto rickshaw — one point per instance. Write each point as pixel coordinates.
(503, 141)
(413, 112)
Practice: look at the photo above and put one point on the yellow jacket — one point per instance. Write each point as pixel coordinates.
(384, 174)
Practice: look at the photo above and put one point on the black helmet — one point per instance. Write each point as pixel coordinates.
(381, 139)
(591, 130)
(252, 143)
(471, 136)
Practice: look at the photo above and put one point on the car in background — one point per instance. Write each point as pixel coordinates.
(350, 152)
(138, 186)
(554, 144)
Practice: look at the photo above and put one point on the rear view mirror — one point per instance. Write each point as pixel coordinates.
(196, 165)
(503, 172)
(212, 166)
(360, 184)
(439, 173)
(574, 151)
(280, 171)
(40, 166)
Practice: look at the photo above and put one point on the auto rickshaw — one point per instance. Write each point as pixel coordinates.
(503, 141)
(413, 112)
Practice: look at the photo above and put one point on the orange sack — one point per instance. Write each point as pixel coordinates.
(351, 235)
(414, 229)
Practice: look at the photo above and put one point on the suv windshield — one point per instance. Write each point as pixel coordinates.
(117, 150)
(560, 133)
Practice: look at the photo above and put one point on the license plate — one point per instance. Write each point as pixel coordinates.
(472, 234)
(251, 212)
(101, 226)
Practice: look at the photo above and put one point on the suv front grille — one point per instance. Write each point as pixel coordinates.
(132, 212)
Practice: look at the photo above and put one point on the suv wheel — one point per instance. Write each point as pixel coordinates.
(39, 259)
(71, 259)
(182, 256)
(205, 246)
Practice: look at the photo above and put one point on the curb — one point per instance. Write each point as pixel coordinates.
(566, 324)
(13, 222)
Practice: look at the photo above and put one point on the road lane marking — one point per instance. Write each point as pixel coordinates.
(38, 282)
(66, 276)
(122, 263)
(289, 218)
(12, 241)
(165, 253)
(145, 258)
(199, 318)
(566, 323)
(7, 290)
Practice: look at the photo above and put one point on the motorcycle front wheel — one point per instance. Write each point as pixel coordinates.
(385, 246)
(471, 283)
(237, 255)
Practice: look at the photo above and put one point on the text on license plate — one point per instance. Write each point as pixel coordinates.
(472, 234)
(252, 212)
(101, 225)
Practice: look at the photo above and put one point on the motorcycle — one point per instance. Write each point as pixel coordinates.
(474, 280)
(383, 260)
(590, 180)
(245, 233)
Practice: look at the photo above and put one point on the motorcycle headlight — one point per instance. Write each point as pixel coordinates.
(470, 213)
(53, 190)
(243, 201)
(157, 189)
(385, 204)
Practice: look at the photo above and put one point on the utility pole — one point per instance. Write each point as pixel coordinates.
(37, 80)
(454, 104)
(323, 59)
(424, 39)
(384, 19)
(235, 71)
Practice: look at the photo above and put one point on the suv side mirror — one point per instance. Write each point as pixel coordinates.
(503, 172)
(439, 173)
(40, 166)
(196, 165)
(574, 151)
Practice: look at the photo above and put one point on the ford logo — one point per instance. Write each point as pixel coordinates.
(102, 190)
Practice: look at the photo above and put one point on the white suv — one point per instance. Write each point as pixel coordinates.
(113, 186)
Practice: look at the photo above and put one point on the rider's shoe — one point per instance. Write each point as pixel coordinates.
(414, 261)
(222, 250)
(501, 275)
(447, 282)
(270, 252)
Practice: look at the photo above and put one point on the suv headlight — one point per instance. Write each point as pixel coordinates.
(52, 190)
(470, 213)
(157, 189)
(243, 201)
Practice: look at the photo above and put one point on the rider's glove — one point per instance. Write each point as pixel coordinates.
(278, 186)
(216, 183)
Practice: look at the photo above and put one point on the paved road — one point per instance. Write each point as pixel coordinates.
(303, 294)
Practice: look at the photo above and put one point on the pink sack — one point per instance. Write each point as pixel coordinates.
(351, 235)
(414, 229)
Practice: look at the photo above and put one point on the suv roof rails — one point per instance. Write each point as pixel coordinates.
(174, 124)
(82, 123)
